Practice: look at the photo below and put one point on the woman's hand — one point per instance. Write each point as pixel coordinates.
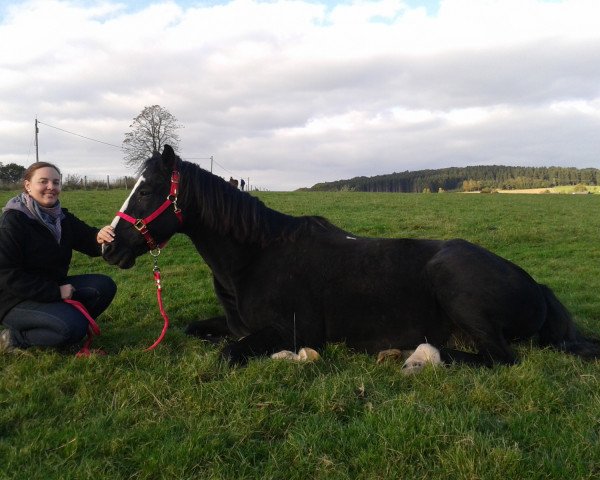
(66, 291)
(105, 235)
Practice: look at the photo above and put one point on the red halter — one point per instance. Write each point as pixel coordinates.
(141, 224)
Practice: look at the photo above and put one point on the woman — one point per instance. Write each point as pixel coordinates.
(37, 238)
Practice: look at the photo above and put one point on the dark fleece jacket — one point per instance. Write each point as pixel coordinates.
(32, 264)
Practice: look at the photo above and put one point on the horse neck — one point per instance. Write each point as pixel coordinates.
(227, 226)
(210, 203)
(224, 255)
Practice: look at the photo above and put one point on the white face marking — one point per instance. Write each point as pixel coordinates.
(126, 203)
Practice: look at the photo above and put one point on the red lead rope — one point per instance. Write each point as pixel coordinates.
(141, 225)
(94, 329)
(156, 271)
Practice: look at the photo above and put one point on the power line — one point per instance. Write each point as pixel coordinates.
(213, 161)
(228, 171)
(119, 147)
(78, 135)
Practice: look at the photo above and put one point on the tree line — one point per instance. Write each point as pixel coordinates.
(490, 177)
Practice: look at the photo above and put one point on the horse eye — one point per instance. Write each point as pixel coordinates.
(143, 193)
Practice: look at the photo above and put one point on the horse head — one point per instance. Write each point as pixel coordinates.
(149, 216)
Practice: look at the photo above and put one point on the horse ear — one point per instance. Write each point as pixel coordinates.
(168, 157)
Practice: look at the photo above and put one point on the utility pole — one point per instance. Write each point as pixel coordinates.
(37, 151)
(211, 163)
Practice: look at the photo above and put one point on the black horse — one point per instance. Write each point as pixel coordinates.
(285, 281)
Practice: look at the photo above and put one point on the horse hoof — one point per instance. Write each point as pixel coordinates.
(306, 354)
(423, 355)
(391, 354)
(285, 355)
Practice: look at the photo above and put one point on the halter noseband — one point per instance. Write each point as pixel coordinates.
(141, 224)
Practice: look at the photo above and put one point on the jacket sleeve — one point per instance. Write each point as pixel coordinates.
(84, 236)
(13, 277)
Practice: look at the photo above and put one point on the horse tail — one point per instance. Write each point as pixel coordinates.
(559, 330)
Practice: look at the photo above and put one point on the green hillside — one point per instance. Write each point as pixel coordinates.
(466, 179)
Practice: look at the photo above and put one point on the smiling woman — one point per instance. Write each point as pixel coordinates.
(44, 186)
(37, 238)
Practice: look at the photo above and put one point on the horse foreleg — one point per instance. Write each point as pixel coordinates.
(489, 354)
(213, 330)
(264, 342)
(428, 354)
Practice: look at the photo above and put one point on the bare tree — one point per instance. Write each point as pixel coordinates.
(151, 129)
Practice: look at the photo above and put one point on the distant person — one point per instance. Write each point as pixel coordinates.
(37, 239)
(242, 184)
(233, 182)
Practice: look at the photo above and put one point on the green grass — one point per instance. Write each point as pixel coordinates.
(573, 188)
(180, 413)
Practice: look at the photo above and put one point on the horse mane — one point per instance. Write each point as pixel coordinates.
(229, 211)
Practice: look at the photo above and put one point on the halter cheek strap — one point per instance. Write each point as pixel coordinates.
(141, 224)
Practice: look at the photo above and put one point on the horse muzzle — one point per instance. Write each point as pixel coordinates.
(113, 254)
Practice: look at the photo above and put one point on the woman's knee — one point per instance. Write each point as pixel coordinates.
(95, 291)
(102, 284)
(106, 286)
(74, 330)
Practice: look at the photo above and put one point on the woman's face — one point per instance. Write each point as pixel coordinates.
(44, 186)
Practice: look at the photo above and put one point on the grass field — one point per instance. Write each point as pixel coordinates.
(180, 413)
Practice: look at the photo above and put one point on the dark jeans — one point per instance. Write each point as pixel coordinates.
(59, 324)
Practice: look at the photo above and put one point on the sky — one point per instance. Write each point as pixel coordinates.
(290, 93)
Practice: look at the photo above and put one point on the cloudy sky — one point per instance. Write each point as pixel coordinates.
(294, 92)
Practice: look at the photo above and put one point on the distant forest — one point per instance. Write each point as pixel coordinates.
(484, 177)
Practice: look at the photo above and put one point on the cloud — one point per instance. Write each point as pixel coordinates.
(291, 93)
